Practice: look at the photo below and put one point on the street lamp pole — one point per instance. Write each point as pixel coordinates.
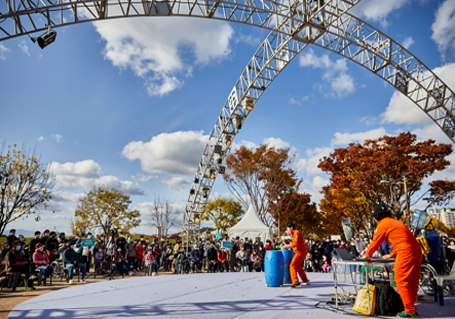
(406, 220)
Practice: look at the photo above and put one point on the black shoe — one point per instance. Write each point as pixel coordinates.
(295, 286)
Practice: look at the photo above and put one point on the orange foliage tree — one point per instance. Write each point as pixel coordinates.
(340, 203)
(376, 168)
(263, 174)
(297, 208)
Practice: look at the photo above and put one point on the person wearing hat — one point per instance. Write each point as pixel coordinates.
(41, 260)
(407, 253)
(299, 247)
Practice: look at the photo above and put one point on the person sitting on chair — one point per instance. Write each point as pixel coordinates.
(41, 260)
(70, 262)
(16, 263)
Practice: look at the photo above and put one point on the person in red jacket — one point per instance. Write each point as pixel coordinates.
(298, 244)
(407, 253)
(222, 259)
(268, 245)
(42, 261)
(140, 251)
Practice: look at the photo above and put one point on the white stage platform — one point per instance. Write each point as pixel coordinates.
(220, 295)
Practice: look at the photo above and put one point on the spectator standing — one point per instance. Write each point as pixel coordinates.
(51, 246)
(11, 237)
(45, 237)
(222, 260)
(35, 241)
(121, 242)
(132, 249)
(140, 251)
(212, 259)
(359, 244)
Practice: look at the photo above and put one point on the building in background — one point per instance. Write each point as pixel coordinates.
(445, 214)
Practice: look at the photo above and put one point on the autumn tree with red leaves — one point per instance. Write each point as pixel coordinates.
(377, 167)
(262, 174)
(297, 208)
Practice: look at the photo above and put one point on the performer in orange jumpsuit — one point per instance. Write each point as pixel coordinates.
(407, 253)
(298, 244)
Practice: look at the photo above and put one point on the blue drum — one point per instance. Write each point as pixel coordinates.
(274, 268)
(287, 255)
(434, 241)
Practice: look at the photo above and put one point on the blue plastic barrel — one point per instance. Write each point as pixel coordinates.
(434, 241)
(287, 255)
(274, 268)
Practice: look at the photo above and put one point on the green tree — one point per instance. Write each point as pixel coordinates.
(25, 185)
(224, 213)
(106, 207)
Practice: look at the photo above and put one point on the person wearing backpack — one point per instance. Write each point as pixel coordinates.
(407, 253)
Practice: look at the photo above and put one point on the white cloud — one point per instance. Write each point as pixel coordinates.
(443, 28)
(164, 51)
(401, 110)
(335, 74)
(87, 169)
(3, 50)
(276, 142)
(24, 47)
(408, 42)
(377, 11)
(143, 177)
(310, 163)
(346, 138)
(176, 153)
(64, 196)
(57, 137)
(41, 138)
(176, 182)
(87, 174)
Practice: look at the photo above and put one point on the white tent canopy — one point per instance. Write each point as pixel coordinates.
(250, 226)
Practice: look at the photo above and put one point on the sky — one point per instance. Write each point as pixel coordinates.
(129, 103)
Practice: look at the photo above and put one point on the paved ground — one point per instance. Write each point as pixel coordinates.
(9, 300)
(220, 295)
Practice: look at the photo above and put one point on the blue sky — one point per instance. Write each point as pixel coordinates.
(130, 102)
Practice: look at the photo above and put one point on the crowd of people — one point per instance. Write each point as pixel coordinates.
(124, 255)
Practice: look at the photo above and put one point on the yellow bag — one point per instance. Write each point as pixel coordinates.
(361, 301)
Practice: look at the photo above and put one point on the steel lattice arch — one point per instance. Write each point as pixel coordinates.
(293, 25)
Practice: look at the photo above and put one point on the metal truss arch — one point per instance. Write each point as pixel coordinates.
(22, 17)
(347, 36)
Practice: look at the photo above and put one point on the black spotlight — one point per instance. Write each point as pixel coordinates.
(45, 39)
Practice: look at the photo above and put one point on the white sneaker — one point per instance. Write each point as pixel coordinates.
(306, 283)
(70, 282)
(83, 280)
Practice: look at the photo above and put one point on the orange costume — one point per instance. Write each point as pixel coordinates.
(408, 256)
(298, 245)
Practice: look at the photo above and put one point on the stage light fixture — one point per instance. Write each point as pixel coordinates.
(45, 39)
(218, 149)
(237, 122)
(197, 217)
(218, 158)
(227, 139)
(222, 170)
(192, 191)
(212, 171)
(205, 192)
(248, 104)
(196, 180)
